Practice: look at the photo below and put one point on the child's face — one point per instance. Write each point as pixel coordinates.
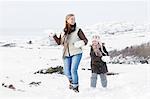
(95, 40)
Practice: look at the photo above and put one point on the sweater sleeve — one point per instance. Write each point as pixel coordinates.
(91, 51)
(57, 39)
(105, 50)
(92, 54)
(82, 36)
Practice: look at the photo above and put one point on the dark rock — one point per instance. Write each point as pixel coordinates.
(83, 68)
(58, 69)
(144, 61)
(111, 73)
(9, 45)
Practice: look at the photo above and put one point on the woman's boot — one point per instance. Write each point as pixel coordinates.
(70, 84)
(76, 89)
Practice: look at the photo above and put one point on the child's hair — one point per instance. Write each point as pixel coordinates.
(96, 37)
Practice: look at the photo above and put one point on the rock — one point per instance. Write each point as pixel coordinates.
(111, 73)
(35, 83)
(9, 45)
(58, 69)
(10, 86)
(144, 61)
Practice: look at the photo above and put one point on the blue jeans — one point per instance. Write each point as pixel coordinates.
(94, 80)
(71, 64)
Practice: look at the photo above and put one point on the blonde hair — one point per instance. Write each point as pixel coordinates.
(96, 37)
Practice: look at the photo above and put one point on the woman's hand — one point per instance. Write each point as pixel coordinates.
(52, 34)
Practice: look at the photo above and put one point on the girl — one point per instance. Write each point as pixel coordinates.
(98, 66)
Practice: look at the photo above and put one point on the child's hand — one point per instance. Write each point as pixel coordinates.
(106, 59)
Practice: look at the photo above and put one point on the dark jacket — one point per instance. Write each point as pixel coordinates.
(97, 65)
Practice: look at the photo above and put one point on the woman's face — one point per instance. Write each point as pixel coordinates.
(71, 20)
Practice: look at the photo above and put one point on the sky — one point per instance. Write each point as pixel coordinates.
(34, 15)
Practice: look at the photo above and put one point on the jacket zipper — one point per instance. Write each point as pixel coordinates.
(68, 50)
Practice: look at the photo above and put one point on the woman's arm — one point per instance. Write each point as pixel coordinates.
(82, 36)
(57, 39)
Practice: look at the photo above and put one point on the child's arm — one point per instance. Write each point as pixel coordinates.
(92, 53)
(104, 48)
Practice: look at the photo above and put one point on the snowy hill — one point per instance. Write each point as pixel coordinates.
(118, 35)
(119, 27)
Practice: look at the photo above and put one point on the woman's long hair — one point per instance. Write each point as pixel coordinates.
(68, 27)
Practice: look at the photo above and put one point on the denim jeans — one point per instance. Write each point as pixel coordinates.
(102, 77)
(71, 64)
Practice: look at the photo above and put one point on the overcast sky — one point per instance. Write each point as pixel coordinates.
(51, 14)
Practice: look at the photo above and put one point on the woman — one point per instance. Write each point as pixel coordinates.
(72, 39)
(98, 66)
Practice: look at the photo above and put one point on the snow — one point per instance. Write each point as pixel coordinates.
(18, 64)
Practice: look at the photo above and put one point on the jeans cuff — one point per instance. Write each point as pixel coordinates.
(75, 85)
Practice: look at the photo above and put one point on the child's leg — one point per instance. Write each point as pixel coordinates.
(93, 80)
(103, 80)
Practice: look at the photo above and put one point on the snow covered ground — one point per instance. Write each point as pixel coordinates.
(18, 65)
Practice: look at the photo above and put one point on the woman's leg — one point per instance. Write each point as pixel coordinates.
(67, 68)
(103, 80)
(74, 67)
(93, 80)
